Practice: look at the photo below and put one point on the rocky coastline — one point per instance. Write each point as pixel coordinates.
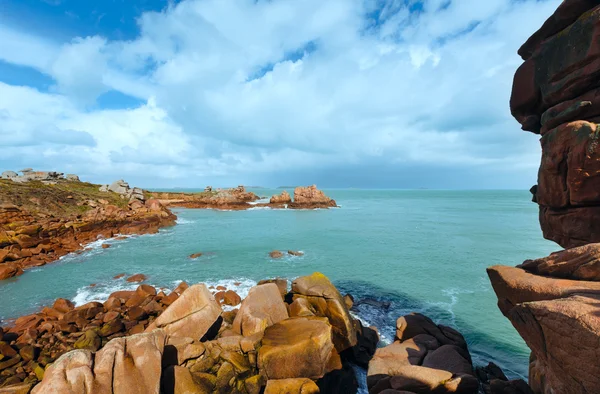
(41, 221)
(45, 215)
(240, 199)
(282, 338)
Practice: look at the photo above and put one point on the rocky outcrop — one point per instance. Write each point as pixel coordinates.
(39, 223)
(553, 303)
(227, 199)
(124, 365)
(191, 346)
(556, 94)
(425, 358)
(310, 198)
(283, 198)
(28, 175)
(37, 341)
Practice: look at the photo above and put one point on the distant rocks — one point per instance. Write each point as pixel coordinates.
(276, 254)
(296, 253)
(195, 255)
(28, 174)
(134, 195)
(137, 278)
(283, 198)
(304, 198)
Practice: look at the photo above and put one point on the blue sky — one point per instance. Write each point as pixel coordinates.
(347, 93)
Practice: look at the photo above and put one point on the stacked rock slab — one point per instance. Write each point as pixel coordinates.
(556, 94)
(554, 303)
(425, 358)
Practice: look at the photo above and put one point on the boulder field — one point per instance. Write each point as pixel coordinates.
(279, 340)
(556, 95)
(41, 222)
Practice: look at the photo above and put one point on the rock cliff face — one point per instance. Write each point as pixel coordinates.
(41, 222)
(554, 302)
(556, 94)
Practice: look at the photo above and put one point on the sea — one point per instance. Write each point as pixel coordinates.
(394, 251)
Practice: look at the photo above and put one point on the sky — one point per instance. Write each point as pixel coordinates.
(342, 93)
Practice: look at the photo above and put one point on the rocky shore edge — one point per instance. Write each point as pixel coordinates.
(44, 216)
(297, 339)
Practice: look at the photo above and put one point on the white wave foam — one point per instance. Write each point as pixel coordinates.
(265, 200)
(101, 291)
(259, 208)
(184, 221)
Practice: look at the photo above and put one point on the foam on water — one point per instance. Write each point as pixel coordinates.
(181, 220)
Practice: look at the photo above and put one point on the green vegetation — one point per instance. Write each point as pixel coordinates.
(65, 198)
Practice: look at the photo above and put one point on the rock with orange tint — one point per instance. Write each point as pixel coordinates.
(262, 308)
(283, 198)
(292, 386)
(327, 301)
(581, 263)
(8, 270)
(298, 347)
(192, 315)
(123, 366)
(558, 316)
(137, 278)
(310, 198)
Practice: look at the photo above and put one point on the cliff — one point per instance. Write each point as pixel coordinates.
(556, 94)
(553, 302)
(42, 221)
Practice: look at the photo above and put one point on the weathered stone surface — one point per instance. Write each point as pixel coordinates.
(191, 315)
(296, 348)
(124, 365)
(283, 198)
(291, 386)
(515, 286)
(327, 301)
(262, 308)
(310, 197)
(581, 263)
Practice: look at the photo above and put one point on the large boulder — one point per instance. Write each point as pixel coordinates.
(291, 386)
(120, 187)
(298, 347)
(9, 175)
(311, 197)
(327, 301)
(283, 198)
(558, 318)
(192, 315)
(125, 365)
(262, 308)
(424, 358)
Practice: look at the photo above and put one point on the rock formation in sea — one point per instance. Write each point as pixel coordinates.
(239, 199)
(230, 199)
(554, 302)
(556, 94)
(294, 340)
(42, 221)
(310, 197)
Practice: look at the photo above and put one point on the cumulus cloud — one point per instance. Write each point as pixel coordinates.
(239, 90)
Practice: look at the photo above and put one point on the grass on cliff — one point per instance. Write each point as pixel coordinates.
(61, 199)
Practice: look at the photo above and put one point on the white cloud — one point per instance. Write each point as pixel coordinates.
(243, 87)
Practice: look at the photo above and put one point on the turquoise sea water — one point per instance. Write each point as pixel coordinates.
(416, 250)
